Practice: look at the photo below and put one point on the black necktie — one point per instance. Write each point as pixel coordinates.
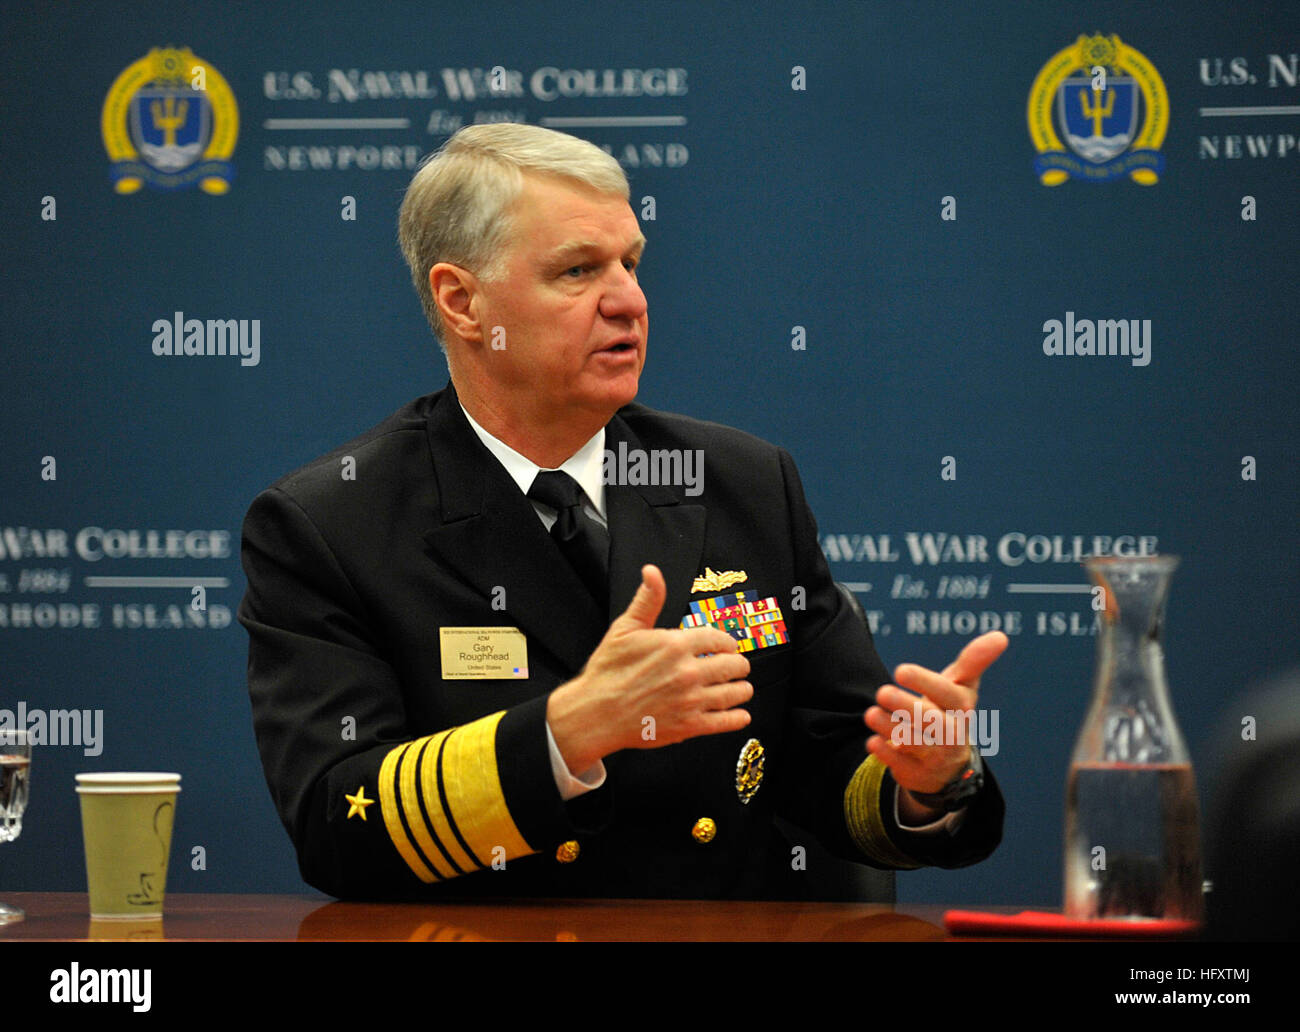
(584, 542)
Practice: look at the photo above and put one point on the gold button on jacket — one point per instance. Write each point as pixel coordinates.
(567, 852)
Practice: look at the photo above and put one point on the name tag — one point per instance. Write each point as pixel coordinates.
(483, 653)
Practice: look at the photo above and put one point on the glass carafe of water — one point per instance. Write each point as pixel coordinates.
(1132, 835)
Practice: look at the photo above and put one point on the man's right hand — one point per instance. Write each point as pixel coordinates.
(688, 681)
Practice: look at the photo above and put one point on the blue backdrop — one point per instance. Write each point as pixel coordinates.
(853, 254)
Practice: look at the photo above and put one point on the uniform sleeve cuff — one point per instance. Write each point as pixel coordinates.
(443, 803)
(949, 822)
(864, 817)
(570, 785)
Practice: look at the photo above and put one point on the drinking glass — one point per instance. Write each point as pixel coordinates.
(15, 764)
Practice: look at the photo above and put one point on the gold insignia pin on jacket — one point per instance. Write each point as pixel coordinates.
(711, 580)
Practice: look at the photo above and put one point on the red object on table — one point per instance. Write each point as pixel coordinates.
(1037, 922)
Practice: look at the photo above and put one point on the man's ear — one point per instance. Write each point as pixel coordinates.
(454, 292)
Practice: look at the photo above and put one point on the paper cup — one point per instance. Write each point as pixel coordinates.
(126, 823)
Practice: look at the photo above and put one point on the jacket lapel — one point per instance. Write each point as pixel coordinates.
(489, 533)
(650, 524)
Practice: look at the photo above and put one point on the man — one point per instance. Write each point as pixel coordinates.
(467, 670)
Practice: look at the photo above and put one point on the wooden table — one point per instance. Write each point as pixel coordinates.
(64, 917)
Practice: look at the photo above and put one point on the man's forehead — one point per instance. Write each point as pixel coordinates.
(573, 217)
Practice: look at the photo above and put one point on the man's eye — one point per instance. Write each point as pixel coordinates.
(576, 271)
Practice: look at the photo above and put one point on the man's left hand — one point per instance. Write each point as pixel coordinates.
(899, 742)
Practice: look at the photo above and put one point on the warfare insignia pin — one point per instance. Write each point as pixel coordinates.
(711, 580)
(749, 770)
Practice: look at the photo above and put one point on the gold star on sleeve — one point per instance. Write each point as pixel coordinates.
(358, 802)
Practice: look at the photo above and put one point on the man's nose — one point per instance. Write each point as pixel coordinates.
(623, 298)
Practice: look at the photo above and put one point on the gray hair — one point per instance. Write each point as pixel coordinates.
(455, 208)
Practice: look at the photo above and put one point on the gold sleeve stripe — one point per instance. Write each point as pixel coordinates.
(443, 804)
(436, 810)
(414, 810)
(392, 811)
(475, 803)
(863, 819)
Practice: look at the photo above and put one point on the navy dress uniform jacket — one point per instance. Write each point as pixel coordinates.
(394, 782)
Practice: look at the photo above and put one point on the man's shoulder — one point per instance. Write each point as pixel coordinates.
(369, 461)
